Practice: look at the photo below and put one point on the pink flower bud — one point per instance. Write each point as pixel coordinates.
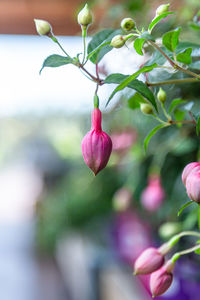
(149, 260)
(153, 195)
(193, 186)
(188, 169)
(161, 280)
(122, 199)
(96, 145)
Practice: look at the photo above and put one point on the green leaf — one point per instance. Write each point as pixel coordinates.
(135, 100)
(183, 207)
(138, 44)
(55, 60)
(147, 36)
(174, 104)
(185, 56)
(171, 39)
(158, 19)
(100, 44)
(136, 84)
(198, 126)
(197, 251)
(151, 133)
(179, 116)
(130, 78)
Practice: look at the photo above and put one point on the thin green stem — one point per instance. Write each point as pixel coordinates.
(164, 111)
(187, 251)
(161, 121)
(173, 81)
(57, 42)
(84, 33)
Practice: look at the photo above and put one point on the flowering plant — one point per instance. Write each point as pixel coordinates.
(177, 63)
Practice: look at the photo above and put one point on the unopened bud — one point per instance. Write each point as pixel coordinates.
(96, 145)
(162, 96)
(85, 16)
(43, 27)
(193, 186)
(149, 261)
(127, 24)
(146, 108)
(161, 279)
(193, 166)
(162, 9)
(118, 41)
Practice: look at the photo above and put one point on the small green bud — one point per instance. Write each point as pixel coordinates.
(162, 9)
(162, 96)
(85, 16)
(118, 41)
(146, 108)
(168, 229)
(128, 24)
(43, 27)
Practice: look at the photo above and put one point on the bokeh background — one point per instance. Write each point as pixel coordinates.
(65, 234)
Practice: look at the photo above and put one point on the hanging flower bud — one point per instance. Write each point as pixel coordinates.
(193, 186)
(118, 41)
(193, 166)
(161, 279)
(146, 108)
(85, 16)
(127, 24)
(162, 96)
(162, 9)
(43, 27)
(153, 195)
(150, 260)
(96, 145)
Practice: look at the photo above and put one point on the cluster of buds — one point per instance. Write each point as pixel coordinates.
(153, 195)
(191, 180)
(152, 261)
(96, 145)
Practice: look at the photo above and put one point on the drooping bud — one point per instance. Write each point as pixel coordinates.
(43, 27)
(118, 41)
(149, 261)
(122, 199)
(96, 145)
(153, 195)
(146, 108)
(162, 96)
(161, 279)
(127, 24)
(193, 186)
(162, 9)
(193, 166)
(85, 16)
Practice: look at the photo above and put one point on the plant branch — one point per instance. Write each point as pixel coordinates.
(172, 81)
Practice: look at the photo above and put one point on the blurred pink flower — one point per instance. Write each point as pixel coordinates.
(123, 140)
(153, 195)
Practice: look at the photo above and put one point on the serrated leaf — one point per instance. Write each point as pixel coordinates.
(138, 44)
(129, 79)
(136, 84)
(56, 60)
(158, 19)
(183, 207)
(198, 126)
(135, 100)
(100, 44)
(174, 104)
(151, 133)
(185, 56)
(171, 39)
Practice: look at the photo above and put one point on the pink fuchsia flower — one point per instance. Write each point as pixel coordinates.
(153, 195)
(96, 145)
(193, 186)
(161, 279)
(149, 260)
(191, 167)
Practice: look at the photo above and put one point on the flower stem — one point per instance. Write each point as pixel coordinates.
(173, 81)
(172, 63)
(84, 33)
(57, 42)
(176, 237)
(187, 251)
